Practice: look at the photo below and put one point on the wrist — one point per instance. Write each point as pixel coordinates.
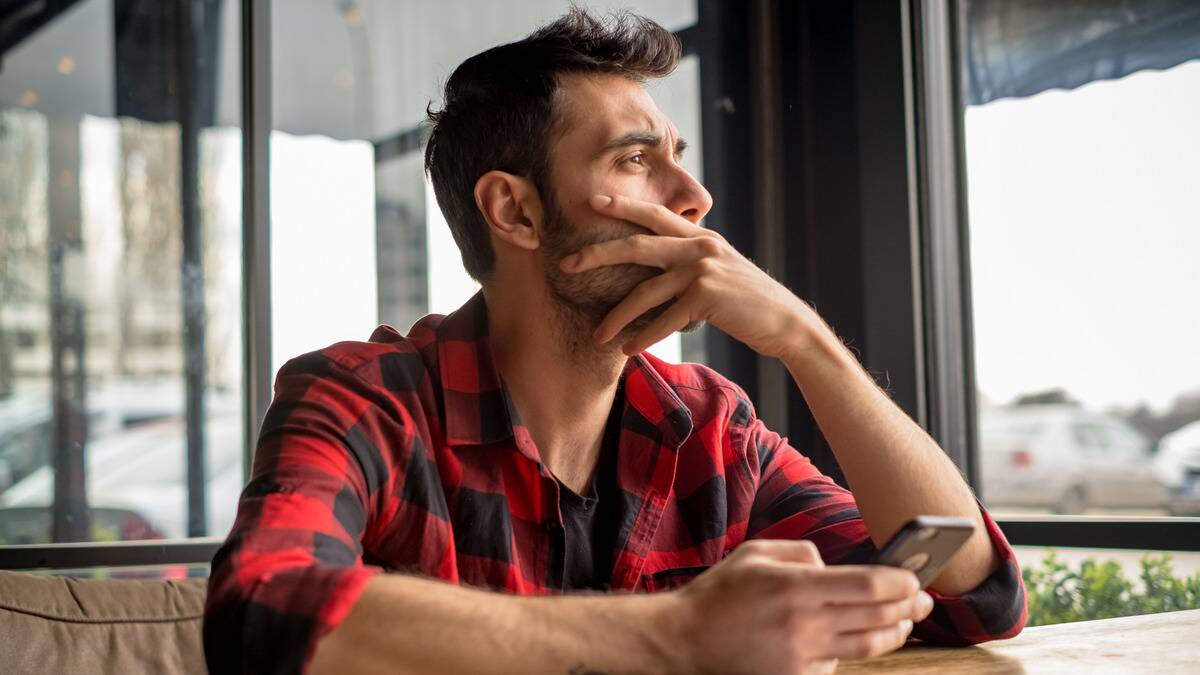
(666, 620)
(810, 339)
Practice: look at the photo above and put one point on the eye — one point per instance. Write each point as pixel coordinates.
(639, 159)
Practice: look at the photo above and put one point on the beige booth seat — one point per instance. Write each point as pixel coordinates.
(63, 625)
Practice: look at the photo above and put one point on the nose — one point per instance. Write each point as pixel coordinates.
(689, 198)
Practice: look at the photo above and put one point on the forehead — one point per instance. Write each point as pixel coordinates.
(594, 109)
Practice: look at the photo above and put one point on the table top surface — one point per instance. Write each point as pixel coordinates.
(1159, 643)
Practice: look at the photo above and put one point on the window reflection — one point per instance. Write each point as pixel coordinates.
(120, 272)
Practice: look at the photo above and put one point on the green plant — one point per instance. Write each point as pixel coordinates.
(1099, 590)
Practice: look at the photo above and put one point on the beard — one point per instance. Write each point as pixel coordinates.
(583, 299)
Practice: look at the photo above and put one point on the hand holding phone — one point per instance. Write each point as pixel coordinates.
(925, 544)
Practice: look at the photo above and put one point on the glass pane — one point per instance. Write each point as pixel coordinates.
(1082, 584)
(351, 84)
(120, 265)
(1085, 230)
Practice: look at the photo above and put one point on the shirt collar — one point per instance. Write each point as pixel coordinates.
(479, 411)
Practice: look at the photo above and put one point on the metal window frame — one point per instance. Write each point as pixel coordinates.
(256, 220)
(83, 555)
(849, 203)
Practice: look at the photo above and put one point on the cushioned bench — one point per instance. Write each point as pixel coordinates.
(63, 625)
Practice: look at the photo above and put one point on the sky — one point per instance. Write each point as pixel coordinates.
(1084, 212)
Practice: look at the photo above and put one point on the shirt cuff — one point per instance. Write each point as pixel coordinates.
(292, 609)
(996, 609)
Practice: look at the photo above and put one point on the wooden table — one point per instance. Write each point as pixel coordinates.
(1152, 643)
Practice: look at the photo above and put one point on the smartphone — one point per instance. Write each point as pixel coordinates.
(925, 544)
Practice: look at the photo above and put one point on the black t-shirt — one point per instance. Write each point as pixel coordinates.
(590, 521)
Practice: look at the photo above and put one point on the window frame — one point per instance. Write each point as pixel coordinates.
(256, 107)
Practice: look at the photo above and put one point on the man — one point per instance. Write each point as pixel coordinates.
(523, 446)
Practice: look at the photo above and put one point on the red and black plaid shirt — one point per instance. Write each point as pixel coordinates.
(405, 454)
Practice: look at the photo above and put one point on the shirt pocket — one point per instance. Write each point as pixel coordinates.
(673, 577)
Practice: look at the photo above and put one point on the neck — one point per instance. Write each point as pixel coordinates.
(562, 383)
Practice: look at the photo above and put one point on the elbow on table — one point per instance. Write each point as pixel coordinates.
(997, 609)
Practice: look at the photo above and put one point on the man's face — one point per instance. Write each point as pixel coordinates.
(612, 140)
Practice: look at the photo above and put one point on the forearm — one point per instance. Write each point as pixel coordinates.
(895, 470)
(403, 624)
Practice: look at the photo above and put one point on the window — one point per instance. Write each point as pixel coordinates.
(123, 352)
(1078, 190)
(120, 271)
(1083, 240)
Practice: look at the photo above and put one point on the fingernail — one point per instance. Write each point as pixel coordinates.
(906, 626)
(924, 602)
(570, 261)
(601, 201)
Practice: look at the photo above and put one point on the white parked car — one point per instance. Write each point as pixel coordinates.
(1178, 466)
(1066, 459)
(139, 472)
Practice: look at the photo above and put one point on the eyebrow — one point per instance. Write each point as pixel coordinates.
(642, 138)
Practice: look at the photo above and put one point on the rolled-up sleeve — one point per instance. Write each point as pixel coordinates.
(292, 567)
(794, 500)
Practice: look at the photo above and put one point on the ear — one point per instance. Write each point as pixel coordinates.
(512, 208)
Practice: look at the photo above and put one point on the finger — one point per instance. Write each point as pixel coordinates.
(852, 618)
(867, 643)
(654, 217)
(822, 667)
(678, 315)
(639, 249)
(784, 550)
(851, 584)
(646, 296)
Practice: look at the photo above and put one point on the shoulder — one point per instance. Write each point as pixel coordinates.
(387, 360)
(707, 393)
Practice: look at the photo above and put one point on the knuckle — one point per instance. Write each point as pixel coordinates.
(754, 546)
(799, 624)
(755, 565)
(861, 648)
(708, 246)
(867, 584)
(875, 587)
(705, 266)
(878, 642)
(885, 641)
(879, 615)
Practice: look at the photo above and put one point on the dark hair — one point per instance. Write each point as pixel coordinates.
(499, 110)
